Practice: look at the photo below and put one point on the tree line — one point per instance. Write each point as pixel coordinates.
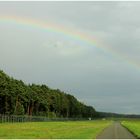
(18, 98)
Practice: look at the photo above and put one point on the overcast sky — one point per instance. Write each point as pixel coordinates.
(108, 81)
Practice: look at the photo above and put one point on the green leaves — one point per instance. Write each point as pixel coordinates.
(18, 98)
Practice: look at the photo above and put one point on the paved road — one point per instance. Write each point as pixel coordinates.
(116, 131)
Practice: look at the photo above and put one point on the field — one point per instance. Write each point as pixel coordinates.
(133, 126)
(55, 130)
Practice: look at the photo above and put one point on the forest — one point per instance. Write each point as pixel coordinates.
(19, 98)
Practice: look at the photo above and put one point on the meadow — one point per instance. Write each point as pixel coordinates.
(53, 130)
(133, 126)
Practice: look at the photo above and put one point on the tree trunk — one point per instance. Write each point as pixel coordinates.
(28, 108)
(31, 108)
(16, 105)
(6, 105)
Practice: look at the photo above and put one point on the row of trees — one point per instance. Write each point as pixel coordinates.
(39, 100)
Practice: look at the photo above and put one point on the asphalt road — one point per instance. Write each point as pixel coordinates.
(115, 131)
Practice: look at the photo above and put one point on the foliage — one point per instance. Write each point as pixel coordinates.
(19, 109)
(39, 100)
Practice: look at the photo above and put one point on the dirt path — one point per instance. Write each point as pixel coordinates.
(115, 131)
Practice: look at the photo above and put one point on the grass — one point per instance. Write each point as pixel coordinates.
(133, 126)
(53, 130)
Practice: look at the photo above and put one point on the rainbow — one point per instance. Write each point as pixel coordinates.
(49, 27)
(71, 33)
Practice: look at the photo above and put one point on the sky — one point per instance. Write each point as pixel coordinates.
(103, 72)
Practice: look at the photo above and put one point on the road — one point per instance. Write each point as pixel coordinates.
(115, 131)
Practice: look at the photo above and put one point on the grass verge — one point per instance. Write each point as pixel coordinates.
(53, 130)
(133, 126)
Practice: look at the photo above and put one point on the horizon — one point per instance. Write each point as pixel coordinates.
(88, 49)
(72, 95)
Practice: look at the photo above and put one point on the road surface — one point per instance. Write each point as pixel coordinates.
(115, 131)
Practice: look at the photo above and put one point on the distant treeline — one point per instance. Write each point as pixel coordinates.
(116, 115)
(18, 98)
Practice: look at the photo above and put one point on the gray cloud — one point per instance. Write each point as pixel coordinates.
(108, 82)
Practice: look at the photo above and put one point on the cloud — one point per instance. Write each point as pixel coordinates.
(66, 48)
(97, 77)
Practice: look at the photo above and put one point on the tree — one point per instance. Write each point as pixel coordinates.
(18, 98)
(19, 109)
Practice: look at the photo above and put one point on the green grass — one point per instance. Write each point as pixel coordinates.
(133, 126)
(53, 130)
